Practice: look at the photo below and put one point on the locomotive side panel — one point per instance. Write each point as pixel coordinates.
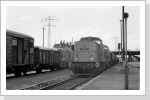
(101, 53)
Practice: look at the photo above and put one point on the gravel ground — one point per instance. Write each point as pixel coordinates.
(25, 81)
(113, 79)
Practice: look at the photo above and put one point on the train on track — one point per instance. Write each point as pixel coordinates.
(22, 56)
(91, 57)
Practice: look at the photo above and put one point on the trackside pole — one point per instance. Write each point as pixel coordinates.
(125, 16)
(123, 40)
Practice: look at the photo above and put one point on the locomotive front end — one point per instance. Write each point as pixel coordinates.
(85, 58)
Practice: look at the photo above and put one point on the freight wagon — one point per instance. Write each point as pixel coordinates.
(23, 56)
(43, 58)
(66, 57)
(19, 53)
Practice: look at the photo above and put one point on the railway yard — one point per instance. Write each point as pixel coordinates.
(89, 62)
(111, 79)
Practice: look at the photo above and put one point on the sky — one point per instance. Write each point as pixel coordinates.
(75, 22)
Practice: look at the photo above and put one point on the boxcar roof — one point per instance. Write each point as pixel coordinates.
(17, 34)
(40, 47)
(44, 48)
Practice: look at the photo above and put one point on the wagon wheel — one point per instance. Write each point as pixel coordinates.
(37, 70)
(17, 72)
(24, 71)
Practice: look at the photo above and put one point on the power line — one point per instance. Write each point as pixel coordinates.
(49, 19)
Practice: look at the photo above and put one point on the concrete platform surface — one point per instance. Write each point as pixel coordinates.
(114, 79)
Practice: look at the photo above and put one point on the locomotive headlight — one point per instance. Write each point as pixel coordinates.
(76, 57)
(91, 58)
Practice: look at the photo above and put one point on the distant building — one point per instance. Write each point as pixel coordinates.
(63, 45)
(57, 46)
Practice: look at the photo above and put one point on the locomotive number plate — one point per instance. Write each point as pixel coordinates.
(84, 48)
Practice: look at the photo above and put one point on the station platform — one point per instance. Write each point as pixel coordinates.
(114, 78)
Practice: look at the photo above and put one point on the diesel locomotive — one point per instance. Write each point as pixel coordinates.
(91, 56)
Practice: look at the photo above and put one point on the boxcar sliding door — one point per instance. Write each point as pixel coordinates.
(20, 50)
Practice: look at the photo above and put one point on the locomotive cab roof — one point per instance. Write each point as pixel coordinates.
(94, 39)
(106, 47)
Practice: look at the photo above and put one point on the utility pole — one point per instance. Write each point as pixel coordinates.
(49, 19)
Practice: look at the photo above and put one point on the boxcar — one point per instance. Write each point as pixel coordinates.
(19, 52)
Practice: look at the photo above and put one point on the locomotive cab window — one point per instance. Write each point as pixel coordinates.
(98, 42)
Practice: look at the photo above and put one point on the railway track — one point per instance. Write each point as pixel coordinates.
(69, 84)
(65, 84)
(10, 76)
(41, 85)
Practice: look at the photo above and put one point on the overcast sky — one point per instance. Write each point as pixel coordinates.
(75, 22)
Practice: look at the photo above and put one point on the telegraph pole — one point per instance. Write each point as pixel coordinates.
(49, 19)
